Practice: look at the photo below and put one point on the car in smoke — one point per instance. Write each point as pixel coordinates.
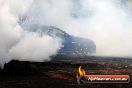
(71, 45)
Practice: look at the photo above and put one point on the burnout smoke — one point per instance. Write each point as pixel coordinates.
(35, 48)
(17, 43)
(106, 22)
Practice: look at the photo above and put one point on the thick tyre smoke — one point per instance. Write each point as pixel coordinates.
(107, 22)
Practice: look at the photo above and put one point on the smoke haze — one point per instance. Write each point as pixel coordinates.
(19, 44)
(106, 22)
(35, 48)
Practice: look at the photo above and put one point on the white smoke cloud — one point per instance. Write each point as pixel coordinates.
(10, 32)
(35, 48)
(106, 22)
(110, 27)
(16, 43)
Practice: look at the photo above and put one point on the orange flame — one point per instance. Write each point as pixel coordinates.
(81, 71)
